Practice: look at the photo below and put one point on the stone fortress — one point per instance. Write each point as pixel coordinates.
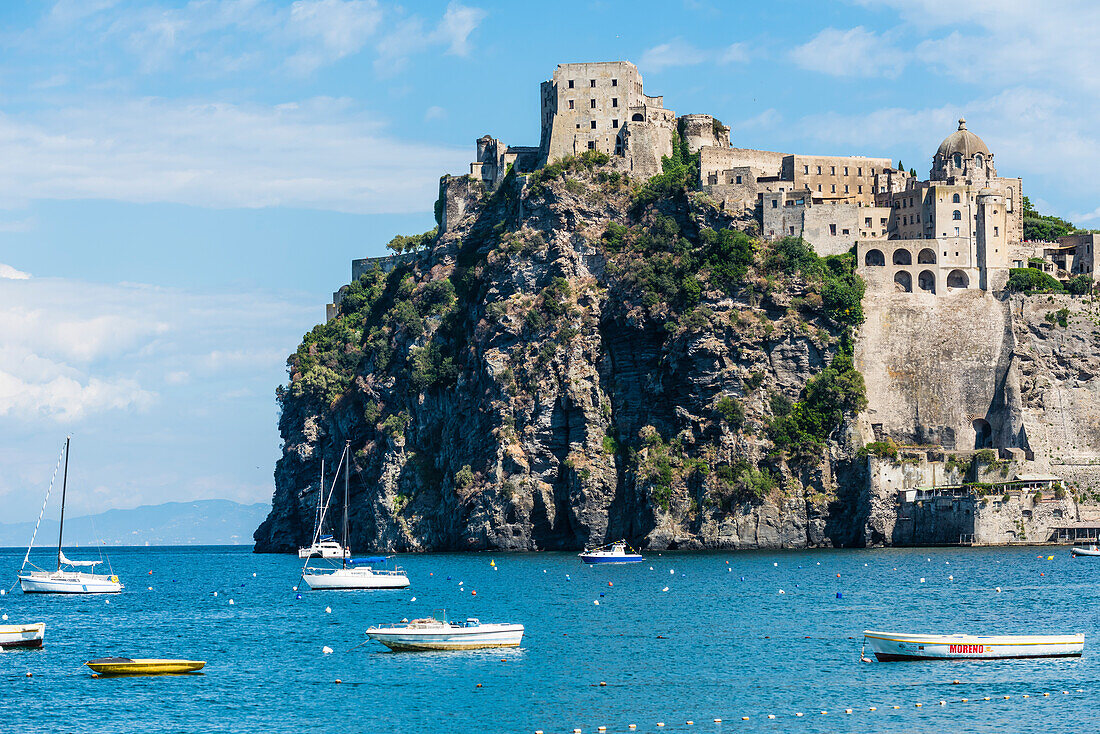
(961, 229)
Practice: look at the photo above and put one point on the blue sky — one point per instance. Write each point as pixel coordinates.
(183, 184)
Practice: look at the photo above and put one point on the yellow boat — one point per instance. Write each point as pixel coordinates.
(144, 666)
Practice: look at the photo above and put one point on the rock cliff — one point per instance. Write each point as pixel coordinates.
(574, 358)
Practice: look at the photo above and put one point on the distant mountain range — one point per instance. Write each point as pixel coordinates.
(203, 522)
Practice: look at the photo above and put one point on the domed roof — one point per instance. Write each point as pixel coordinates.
(962, 141)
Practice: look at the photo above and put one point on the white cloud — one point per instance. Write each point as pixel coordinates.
(318, 154)
(679, 52)
(458, 22)
(856, 52)
(435, 112)
(336, 29)
(66, 399)
(7, 272)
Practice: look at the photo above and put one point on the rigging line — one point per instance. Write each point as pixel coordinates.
(43, 510)
(331, 488)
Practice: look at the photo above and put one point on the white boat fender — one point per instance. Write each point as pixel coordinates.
(326, 650)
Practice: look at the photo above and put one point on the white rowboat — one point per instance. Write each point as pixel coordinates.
(22, 635)
(888, 646)
(433, 634)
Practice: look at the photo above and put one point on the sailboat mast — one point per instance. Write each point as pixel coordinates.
(347, 462)
(64, 486)
(320, 503)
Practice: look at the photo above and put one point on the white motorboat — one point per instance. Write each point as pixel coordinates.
(22, 635)
(434, 634)
(612, 553)
(325, 547)
(66, 579)
(351, 575)
(888, 646)
(1092, 550)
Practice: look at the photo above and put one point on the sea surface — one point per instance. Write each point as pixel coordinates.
(680, 637)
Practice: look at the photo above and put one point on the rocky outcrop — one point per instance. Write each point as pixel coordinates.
(576, 358)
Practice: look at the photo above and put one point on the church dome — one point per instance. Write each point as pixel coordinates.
(962, 141)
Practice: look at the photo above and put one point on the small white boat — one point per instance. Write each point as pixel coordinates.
(326, 547)
(1092, 550)
(612, 553)
(22, 635)
(888, 646)
(433, 634)
(65, 579)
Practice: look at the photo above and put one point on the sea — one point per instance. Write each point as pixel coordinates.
(763, 641)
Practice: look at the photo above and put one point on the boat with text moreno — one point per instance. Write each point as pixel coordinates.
(617, 552)
(889, 646)
(436, 634)
(22, 635)
(66, 578)
(1091, 550)
(144, 666)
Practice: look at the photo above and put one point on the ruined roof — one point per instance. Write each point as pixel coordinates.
(962, 141)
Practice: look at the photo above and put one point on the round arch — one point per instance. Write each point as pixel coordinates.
(958, 279)
(874, 258)
(983, 434)
(926, 281)
(903, 281)
(903, 257)
(927, 256)
(637, 117)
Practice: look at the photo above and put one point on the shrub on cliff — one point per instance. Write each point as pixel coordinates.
(1080, 285)
(836, 391)
(1031, 281)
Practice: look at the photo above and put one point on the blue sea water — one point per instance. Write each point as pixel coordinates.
(679, 637)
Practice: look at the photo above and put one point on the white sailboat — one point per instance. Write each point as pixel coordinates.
(323, 546)
(67, 578)
(349, 575)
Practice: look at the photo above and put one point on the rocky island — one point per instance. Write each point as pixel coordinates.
(637, 330)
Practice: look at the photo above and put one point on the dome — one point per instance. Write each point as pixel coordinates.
(962, 141)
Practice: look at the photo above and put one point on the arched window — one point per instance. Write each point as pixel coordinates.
(955, 199)
(926, 257)
(903, 257)
(957, 279)
(874, 258)
(956, 215)
(637, 117)
(958, 159)
(903, 281)
(978, 160)
(926, 281)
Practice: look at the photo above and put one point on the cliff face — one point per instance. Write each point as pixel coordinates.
(574, 359)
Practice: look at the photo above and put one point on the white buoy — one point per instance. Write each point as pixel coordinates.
(232, 602)
(922, 579)
(149, 589)
(776, 565)
(665, 589)
(215, 593)
(596, 602)
(295, 588)
(326, 650)
(782, 592)
(998, 589)
(3, 592)
(5, 618)
(651, 568)
(253, 574)
(462, 582)
(950, 578)
(106, 601)
(413, 599)
(328, 610)
(671, 571)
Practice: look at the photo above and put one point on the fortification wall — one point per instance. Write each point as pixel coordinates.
(713, 160)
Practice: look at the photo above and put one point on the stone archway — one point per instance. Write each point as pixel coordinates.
(983, 434)
(874, 258)
(926, 281)
(927, 256)
(903, 257)
(958, 279)
(903, 281)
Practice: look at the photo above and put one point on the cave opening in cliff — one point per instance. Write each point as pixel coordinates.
(983, 434)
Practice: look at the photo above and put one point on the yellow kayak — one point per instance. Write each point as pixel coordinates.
(143, 666)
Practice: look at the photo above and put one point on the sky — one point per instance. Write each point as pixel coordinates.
(184, 184)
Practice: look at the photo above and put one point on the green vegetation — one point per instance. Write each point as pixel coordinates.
(836, 391)
(1080, 285)
(1060, 317)
(841, 288)
(464, 477)
(1032, 281)
(883, 449)
(413, 243)
(731, 410)
(586, 161)
(1044, 228)
(610, 445)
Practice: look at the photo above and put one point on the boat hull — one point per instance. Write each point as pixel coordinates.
(595, 560)
(22, 635)
(144, 666)
(1086, 551)
(894, 646)
(69, 583)
(323, 552)
(416, 640)
(355, 579)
